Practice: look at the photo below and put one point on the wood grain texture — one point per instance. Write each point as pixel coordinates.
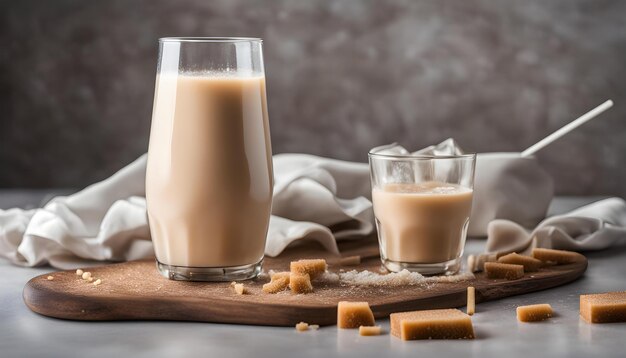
(135, 291)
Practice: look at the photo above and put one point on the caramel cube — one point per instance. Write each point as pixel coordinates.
(561, 257)
(603, 307)
(533, 313)
(300, 283)
(432, 324)
(369, 331)
(506, 271)
(354, 314)
(530, 264)
(312, 267)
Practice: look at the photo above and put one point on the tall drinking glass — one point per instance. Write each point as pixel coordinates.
(209, 175)
(422, 206)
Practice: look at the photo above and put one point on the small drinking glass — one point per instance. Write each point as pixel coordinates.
(422, 205)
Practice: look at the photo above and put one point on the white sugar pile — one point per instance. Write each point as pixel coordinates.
(367, 278)
(394, 279)
(450, 279)
(373, 279)
(329, 277)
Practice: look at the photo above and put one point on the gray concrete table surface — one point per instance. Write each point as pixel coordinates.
(27, 334)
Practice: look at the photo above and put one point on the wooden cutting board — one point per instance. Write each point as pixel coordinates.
(135, 291)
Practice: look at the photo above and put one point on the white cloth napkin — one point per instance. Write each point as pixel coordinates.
(105, 221)
(314, 198)
(595, 226)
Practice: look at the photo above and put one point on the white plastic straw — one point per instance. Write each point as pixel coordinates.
(567, 128)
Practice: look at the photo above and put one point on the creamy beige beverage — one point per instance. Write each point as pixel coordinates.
(209, 174)
(422, 223)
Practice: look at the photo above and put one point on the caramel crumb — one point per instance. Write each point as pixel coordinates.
(471, 300)
(97, 282)
(86, 275)
(369, 330)
(239, 288)
(471, 263)
(50, 278)
(79, 272)
(279, 282)
(302, 326)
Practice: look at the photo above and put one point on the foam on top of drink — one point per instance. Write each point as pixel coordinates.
(426, 188)
(221, 74)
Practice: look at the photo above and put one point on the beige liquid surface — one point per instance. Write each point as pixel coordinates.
(422, 223)
(209, 175)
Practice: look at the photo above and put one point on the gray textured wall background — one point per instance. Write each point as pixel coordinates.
(77, 79)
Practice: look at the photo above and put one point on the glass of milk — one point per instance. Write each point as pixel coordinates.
(422, 205)
(209, 174)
